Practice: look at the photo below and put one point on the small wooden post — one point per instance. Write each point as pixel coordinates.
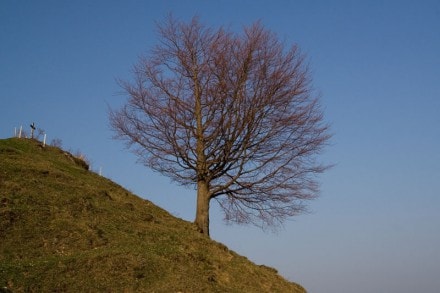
(32, 129)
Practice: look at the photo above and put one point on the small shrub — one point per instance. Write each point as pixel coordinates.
(56, 142)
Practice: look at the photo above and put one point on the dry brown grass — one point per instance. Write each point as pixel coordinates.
(66, 229)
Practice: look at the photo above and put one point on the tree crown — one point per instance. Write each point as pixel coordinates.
(236, 111)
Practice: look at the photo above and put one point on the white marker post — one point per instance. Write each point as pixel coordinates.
(44, 140)
(19, 134)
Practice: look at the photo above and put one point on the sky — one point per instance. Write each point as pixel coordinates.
(376, 64)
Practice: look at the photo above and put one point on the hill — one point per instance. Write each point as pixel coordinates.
(64, 228)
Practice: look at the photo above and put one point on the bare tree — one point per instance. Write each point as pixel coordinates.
(232, 115)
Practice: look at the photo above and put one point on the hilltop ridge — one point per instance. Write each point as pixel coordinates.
(64, 228)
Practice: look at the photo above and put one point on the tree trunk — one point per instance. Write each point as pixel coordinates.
(202, 213)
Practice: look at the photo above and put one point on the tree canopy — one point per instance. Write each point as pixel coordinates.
(233, 115)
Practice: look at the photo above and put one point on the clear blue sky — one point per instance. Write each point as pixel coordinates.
(376, 226)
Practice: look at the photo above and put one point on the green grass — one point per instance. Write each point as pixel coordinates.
(66, 229)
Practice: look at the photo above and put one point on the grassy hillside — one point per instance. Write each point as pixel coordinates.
(66, 229)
